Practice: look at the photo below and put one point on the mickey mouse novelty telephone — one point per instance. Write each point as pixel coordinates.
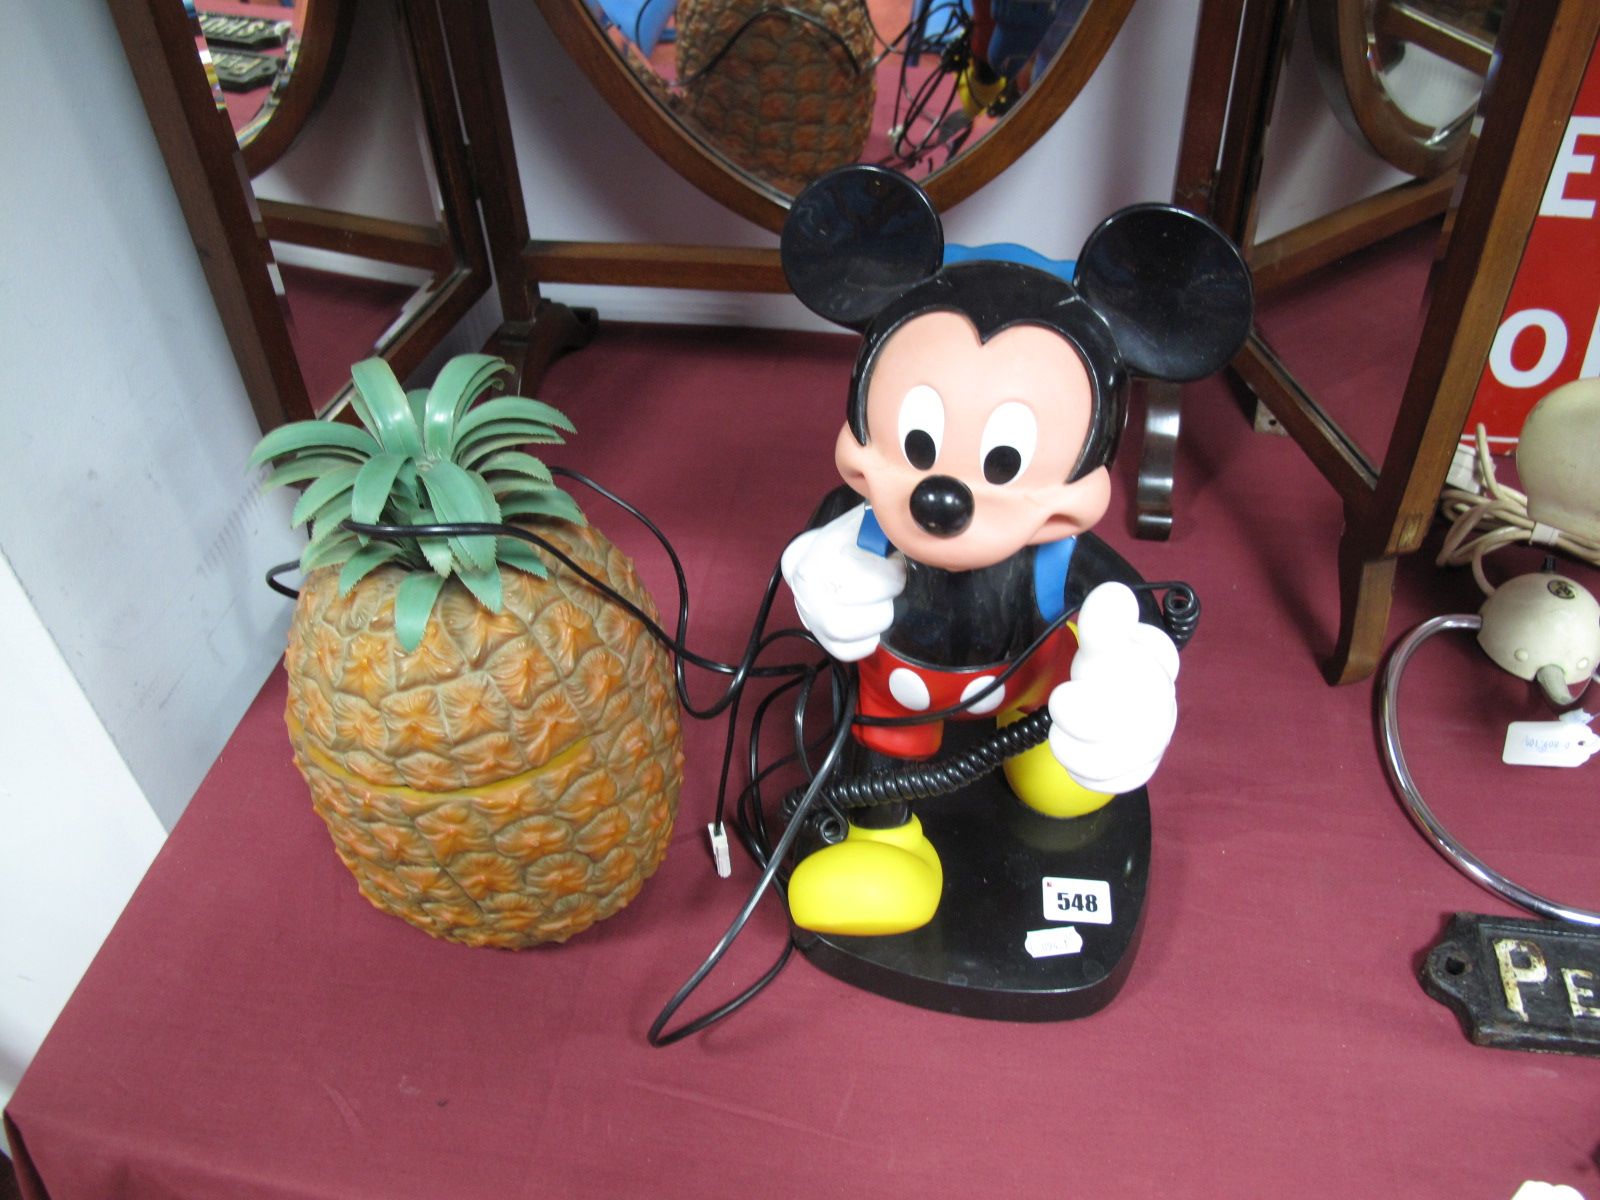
(986, 403)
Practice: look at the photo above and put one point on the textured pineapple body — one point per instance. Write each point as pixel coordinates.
(512, 780)
(783, 101)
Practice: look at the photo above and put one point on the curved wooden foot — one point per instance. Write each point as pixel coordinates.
(1153, 498)
(531, 346)
(1366, 590)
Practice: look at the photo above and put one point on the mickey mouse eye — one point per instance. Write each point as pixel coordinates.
(921, 426)
(1009, 438)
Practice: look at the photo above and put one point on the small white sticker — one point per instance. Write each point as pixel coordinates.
(1549, 744)
(1081, 901)
(1534, 1189)
(1048, 943)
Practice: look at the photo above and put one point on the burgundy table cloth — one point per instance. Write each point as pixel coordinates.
(253, 1028)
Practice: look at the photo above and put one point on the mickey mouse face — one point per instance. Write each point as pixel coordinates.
(989, 396)
(970, 442)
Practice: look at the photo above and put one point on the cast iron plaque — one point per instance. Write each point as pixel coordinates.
(1520, 984)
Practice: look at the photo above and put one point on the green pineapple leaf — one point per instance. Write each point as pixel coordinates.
(338, 545)
(322, 491)
(482, 448)
(437, 552)
(434, 552)
(546, 502)
(299, 469)
(418, 399)
(522, 556)
(463, 379)
(521, 410)
(363, 411)
(329, 437)
(390, 412)
(445, 454)
(507, 486)
(456, 497)
(364, 561)
(517, 464)
(373, 486)
(331, 517)
(485, 585)
(413, 603)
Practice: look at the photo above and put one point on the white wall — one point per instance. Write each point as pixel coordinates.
(75, 833)
(135, 624)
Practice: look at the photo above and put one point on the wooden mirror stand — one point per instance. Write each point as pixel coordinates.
(485, 228)
(538, 329)
(1543, 51)
(233, 230)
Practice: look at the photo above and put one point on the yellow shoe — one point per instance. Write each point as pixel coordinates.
(1043, 784)
(876, 881)
(978, 87)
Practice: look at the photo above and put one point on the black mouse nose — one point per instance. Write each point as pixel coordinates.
(941, 505)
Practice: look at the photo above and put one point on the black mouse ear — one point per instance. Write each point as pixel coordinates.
(857, 238)
(1175, 291)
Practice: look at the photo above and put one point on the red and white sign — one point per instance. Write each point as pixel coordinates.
(1549, 333)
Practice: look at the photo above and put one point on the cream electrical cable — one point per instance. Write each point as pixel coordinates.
(1502, 516)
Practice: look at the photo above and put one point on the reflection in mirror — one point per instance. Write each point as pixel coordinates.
(1357, 373)
(788, 91)
(1404, 76)
(270, 63)
(362, 239)
(1434, 56)
(251, 51)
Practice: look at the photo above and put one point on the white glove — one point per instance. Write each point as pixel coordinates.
(1111, 722)
(844, 594)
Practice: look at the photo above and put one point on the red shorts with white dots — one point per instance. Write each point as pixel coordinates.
(893, 687)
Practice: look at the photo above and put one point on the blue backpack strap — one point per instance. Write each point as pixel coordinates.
(1051, 563)
(872, 538)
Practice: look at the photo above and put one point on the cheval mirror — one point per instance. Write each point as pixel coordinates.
(316, 251)
(1405, 78)
(254, 103)
(1402, 78)
(750, 99)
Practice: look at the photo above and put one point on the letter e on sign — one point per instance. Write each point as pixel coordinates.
(1569, 162)
(1545, 336)
(1580, 992)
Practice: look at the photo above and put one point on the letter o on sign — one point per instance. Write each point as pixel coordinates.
(1555, 348)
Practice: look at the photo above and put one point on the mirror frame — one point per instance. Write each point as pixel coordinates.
(1343, 33)
(231, 235)
(1039, 108)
